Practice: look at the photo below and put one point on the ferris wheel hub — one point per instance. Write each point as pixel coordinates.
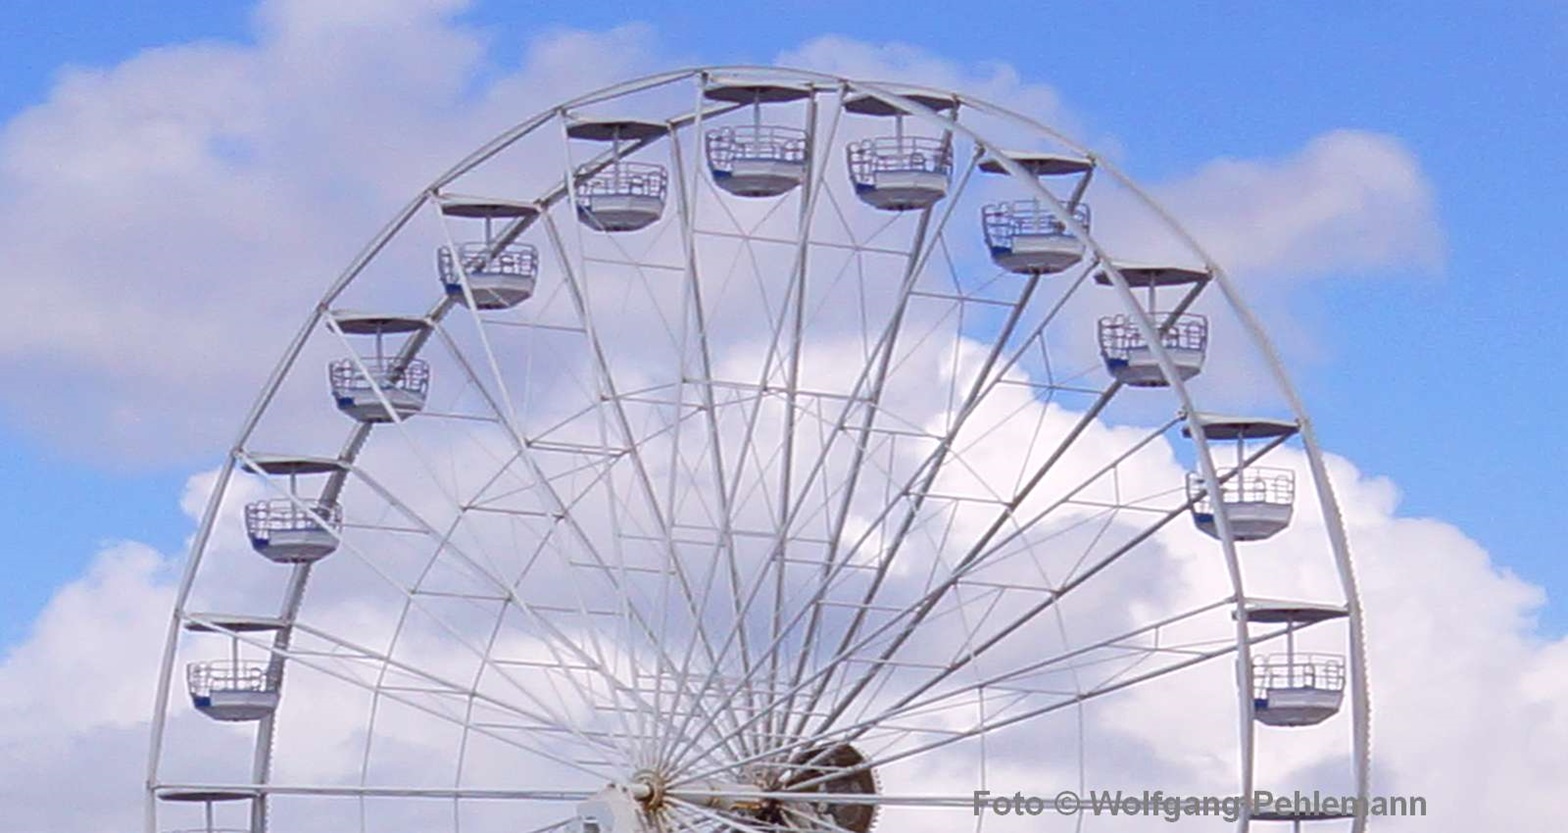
(647, 786)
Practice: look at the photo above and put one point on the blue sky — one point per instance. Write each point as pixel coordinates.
(1446, 383)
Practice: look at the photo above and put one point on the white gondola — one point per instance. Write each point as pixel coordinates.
(233, 691)
(293, 529)
(499, 274)
(1129, 358)
(289, 531)
(1293, 688)
(615, 195)
(622, 196)
(385, 390)
(900, 172)
(756, 160)
(500, 277)
(1127, 354)
(1026, 237)
(1297, 689)
(379, 388)
(1258, 502)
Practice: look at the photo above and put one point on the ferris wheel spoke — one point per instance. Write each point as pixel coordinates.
(791, 309)
(741, 600)
(537, 722)
(866, 391)
(684, 702)
(789, 505)
(550, 633)
(873, 375)
(872, 379)
(684, 820)
(901, 623)
(919, 697)
(678, 669)
(922, 610)
(1035, 337)
(917, 496)
(488, 662)
(971, 613)
(724, 821)
(470, 717)
(643, 481)
(683, 690)
(470, 794)
(913, 618)
(412, 596)
(693, 601)
(800, 271)
(444, 541)
(601, 663)
(1183, 657)
(677, 465)
(329, 667)
(522, 447)
(988, 381)
(983, 387)
(780, 705)
(694, 320)
(987, 548)
(689, 686)
(991, 726)
(983, 550)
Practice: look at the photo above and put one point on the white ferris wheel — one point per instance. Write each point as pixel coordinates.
(764, 451)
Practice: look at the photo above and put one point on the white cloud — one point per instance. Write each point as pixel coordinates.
(902, 63)
(1348, 201)
(86, 664)
(1460, 675)
(175, 216)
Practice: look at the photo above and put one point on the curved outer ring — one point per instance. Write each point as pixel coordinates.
(1333, 519)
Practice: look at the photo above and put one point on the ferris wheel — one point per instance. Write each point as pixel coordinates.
(765, 451)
